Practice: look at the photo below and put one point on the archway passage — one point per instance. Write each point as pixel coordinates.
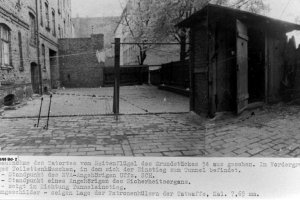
(34, 77)
(9, 100)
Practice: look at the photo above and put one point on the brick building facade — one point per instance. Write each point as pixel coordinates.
(80, 61)
(20, 21)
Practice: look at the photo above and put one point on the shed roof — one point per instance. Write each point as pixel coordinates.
(240, 14)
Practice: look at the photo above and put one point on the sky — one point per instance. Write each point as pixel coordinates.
(281, 9)
(286, 10)
(96, 8)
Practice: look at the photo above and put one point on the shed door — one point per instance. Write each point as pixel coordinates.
(242, 66)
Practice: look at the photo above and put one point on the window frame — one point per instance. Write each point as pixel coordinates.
(41, 13)
(47, 16)
(44, 56)
(33, 29)
(3, 64)
(53, 22)
(21, 68)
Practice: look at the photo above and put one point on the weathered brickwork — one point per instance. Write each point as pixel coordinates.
(79, 65)
(16, 78)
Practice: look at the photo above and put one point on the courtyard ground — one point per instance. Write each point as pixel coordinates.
(155, 123)
(98, 101)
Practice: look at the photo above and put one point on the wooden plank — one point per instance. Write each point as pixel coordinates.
(116, 102)
(242, 68)
(191, 70)
(212, 71)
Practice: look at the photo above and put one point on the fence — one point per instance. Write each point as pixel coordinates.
(129, 75)
(176, 74)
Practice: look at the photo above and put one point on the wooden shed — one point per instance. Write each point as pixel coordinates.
(238, 59)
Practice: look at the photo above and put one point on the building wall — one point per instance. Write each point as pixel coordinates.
(79, 66)
(85, 27)
(16, 78)
(275, 47)
(199, 41)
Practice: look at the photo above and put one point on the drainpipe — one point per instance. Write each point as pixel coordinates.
(38, 48)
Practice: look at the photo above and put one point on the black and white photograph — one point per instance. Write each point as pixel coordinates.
(159, 79)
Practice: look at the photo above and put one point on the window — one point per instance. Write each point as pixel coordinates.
(33, 36)
(65, 30)
(59, 31)
(5, 51)
(41, 13)
(58, 6)
(47, 17)
(44, 56)
(53, 23)
(21, 52)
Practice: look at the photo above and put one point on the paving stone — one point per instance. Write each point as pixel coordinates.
(153, 154)
(269, 133)
(86, 149)
(172, 154)
(77, 154)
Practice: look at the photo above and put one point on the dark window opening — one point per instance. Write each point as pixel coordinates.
(45, 90)
(21, 52)
(44, 57)
(256, 65)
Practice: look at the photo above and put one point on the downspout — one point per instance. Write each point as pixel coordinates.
(38, 48)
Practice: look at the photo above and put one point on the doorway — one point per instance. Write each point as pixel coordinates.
(54, 70)
(34, 77)
(256, 65)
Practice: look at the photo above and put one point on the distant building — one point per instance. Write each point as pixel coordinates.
(81, 61)
(85, 27)
(156, 54)
(20, 21)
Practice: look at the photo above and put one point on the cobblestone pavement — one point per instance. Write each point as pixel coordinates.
(98, 101)
(273, 131)
(131, 135)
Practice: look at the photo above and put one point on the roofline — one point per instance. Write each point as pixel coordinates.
(121, 18)
(208, 6)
